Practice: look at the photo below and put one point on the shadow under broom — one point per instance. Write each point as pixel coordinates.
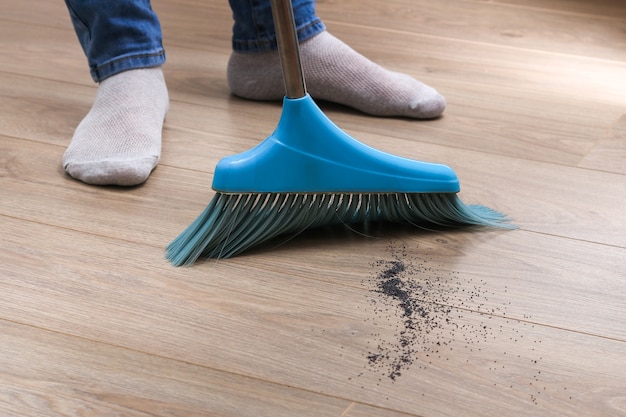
(309, 173)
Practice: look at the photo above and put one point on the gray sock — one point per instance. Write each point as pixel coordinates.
(119, 141)
(337, 73)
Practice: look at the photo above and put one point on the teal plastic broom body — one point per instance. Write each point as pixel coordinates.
(308, 153)
(310, 173)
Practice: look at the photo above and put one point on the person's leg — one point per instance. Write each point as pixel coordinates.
(333, 71)
(119, 141)
(253, 29)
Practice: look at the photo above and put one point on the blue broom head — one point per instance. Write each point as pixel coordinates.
(309, 173)
(308, 153)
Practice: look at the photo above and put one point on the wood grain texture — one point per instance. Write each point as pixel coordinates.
(95, 322)
(51, 374)
(491, 22)
(280, 320)
(609, 153)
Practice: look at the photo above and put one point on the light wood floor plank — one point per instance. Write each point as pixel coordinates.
(34, 110)
(42, 52)
(51, 374)
(609, 154)
(601, 8)
(489, 22)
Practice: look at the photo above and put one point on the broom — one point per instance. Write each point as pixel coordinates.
(309, 173)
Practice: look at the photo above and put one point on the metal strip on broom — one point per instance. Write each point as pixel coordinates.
(309, 173)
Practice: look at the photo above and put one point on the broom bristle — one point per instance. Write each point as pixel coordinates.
(233, 223)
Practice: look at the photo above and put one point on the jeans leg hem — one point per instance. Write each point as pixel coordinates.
(121, 64)
(305, 32)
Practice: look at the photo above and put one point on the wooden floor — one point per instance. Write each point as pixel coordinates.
(532, 322)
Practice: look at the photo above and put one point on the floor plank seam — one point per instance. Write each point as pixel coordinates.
(403, 34)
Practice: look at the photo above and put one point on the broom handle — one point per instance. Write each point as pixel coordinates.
(288, 49)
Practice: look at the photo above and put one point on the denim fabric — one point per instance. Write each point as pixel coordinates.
(117, 35)
(253, 30)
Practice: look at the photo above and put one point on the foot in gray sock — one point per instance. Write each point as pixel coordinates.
(335, 72)
(119, 141)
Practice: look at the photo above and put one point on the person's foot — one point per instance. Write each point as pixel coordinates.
(119, 141)
(335, 72)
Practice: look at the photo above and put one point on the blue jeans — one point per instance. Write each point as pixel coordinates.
(119, 35)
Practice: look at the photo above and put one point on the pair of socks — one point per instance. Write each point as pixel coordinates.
(119, 141)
